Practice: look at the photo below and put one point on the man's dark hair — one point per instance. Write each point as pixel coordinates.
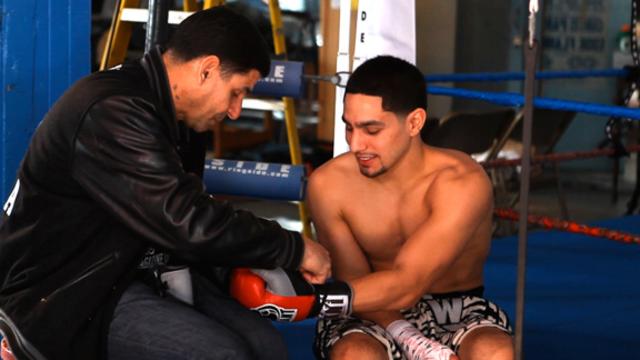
(222, 32)
(400, 84)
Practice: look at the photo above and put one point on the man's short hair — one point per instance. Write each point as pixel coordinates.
(399, 83)
(224, 33)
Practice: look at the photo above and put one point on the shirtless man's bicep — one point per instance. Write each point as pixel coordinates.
(348, 259)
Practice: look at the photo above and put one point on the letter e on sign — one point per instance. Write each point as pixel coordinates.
(278, 72)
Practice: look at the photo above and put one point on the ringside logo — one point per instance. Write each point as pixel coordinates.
(275, 312)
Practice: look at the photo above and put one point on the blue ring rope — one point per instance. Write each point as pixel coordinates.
(515, 99)
(505, 76)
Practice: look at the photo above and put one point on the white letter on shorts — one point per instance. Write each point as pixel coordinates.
(8, 206)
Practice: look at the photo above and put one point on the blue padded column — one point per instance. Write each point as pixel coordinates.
(45, 47)
(255, 179)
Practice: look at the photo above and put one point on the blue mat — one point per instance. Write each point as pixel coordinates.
(582, 295)
(299, 337)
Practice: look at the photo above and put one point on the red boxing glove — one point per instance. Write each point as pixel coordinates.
(286, 296)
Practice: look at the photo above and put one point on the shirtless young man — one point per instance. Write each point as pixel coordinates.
(408, 227)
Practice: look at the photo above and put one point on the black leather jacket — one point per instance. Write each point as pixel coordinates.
(108, 174)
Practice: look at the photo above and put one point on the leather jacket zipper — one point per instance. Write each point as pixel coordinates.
(100, 264)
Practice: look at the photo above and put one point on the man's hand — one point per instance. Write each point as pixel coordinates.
(316, 263)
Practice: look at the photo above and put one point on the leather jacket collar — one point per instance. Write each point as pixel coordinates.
(158, 80)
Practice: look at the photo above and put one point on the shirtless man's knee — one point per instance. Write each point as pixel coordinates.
(486, 344)
(358, 346)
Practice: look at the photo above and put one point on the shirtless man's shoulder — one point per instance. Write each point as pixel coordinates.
(340, 165)
(335, 177)
(452, 167)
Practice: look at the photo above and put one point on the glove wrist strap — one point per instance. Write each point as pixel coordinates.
(333, 300)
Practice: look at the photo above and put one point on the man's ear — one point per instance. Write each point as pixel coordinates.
(415, 121)
(208, 64)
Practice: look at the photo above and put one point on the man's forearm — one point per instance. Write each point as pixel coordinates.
(387, 290)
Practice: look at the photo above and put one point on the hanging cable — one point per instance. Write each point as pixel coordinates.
(533, 10)
(529, 90)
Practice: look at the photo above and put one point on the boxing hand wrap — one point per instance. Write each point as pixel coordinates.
(286, 296)
(415, 345)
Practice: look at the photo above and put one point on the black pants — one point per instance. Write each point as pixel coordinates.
(147, 326)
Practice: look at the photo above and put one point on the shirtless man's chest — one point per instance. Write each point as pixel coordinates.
(381, 221)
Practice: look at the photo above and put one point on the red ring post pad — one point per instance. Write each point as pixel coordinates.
(255, 179)
(284, 79)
